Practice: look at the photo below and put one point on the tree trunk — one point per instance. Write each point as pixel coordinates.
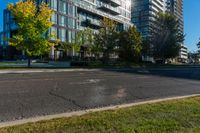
(105, 57)
(29, 61)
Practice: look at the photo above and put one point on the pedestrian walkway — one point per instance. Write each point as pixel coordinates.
(50, 64)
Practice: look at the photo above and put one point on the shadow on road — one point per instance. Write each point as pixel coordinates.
(184, 73)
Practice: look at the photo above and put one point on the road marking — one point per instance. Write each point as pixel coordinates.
(79, 113)
(88, 81)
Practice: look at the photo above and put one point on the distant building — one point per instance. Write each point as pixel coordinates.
(9, 26)
(175, 7)
(144, 13)
(183, 54)
(1, 38)
(1, 44)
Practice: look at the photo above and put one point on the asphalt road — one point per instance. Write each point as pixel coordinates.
(36, 94)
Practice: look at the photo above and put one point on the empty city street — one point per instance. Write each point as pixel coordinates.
(25, 95)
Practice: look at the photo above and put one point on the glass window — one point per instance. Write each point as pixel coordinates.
(54, 4)
(62, 7)
(71, 10)
(62, 20)
(71, 23)
(62, 34)
(69, 36)
(54, 18)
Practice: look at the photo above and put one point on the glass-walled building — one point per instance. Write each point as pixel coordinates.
(175, 7)
(71, 16)
(144, 12)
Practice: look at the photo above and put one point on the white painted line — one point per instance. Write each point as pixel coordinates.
(79, 113)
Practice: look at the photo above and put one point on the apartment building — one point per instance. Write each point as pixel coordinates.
(73, 15)
(144, 13)
(183, 54)
(175, 7)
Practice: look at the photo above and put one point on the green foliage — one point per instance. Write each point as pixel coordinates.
(166, 38)
(146, 47)
(130, 45)
(65, 46)
(84, 39)
(33, 23)
(106, 38)
(198, 46)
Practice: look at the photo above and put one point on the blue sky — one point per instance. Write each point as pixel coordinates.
(191, 19)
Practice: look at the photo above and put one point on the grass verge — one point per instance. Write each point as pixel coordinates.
(170, 116)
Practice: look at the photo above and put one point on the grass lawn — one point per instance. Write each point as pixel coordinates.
(171, 116)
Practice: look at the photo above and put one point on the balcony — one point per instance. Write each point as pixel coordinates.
(108, 9)
(114, 3)
(91, 23)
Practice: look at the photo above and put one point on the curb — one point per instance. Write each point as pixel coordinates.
(79, 113)
(43, 70)
(19, 71)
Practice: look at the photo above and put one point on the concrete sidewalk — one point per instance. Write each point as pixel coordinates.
(16, 71)
(50, 64)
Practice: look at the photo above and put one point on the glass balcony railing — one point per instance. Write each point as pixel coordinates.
(108, 8)
(93, 23)
(113, 2)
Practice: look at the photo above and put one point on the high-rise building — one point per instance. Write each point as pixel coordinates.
(175, 7)
(73, 15)
(144, 13)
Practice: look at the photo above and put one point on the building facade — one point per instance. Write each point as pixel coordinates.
(71, 16)
(175, 7)
(1, 38)
(1, 44)
(183, 54)
(144, 13)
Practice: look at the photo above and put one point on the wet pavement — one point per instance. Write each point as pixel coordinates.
(36, 94)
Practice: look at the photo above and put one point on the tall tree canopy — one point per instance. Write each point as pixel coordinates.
(130, 44)
(106, 38)
(33, 22)
(166, 38)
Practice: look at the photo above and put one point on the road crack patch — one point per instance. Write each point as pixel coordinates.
(53, 93)
(66, 99)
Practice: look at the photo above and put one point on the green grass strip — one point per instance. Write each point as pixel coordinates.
(171, 116)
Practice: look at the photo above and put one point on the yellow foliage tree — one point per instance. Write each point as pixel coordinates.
(33, 22)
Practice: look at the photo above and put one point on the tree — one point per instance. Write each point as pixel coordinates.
(66, 47)
(198, 46)
(166, 38)
(130, 45)
(33, 22)
(85, 39)
(146, 47)
(106, 38)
